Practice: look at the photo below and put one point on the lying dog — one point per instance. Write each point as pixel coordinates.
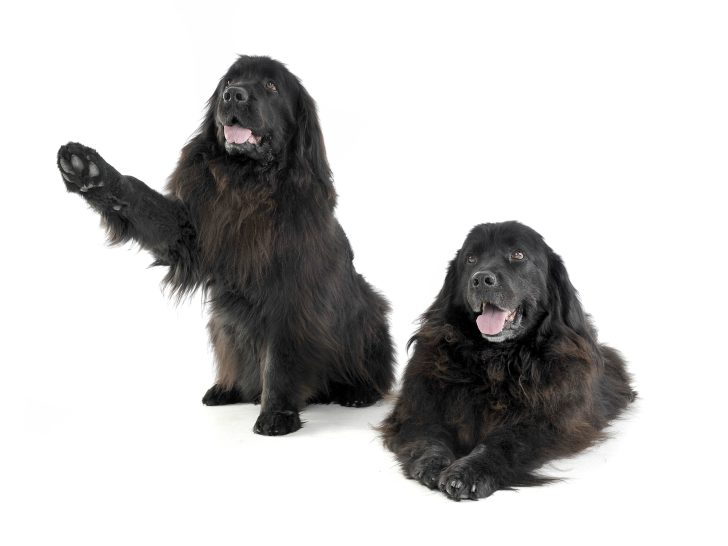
(249, 216)
(506, 374)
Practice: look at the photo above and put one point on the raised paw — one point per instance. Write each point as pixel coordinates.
(217, 395)
(427, 469)
(464, 480)
(277, 423)
(83, 170)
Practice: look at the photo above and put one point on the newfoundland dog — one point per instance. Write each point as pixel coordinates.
(507, 372)
(249, 217)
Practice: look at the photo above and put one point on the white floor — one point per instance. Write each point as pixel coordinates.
(150, 470)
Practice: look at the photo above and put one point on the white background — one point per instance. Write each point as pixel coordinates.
(602, 125)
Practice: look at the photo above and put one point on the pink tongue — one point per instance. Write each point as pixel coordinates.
(492, 320)
(236, 134)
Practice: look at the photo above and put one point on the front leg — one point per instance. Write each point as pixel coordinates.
(284, 378)
(506, 459)
(423, 442)
(133, 211)
(470, 477)
(424, 461)
(423, 450)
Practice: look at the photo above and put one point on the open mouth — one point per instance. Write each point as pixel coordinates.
(235, 134)
(493, 321)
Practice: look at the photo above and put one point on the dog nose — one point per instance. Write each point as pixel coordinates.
(235, 95)
(484, 278)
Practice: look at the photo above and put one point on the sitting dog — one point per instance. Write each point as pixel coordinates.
(249, 217)
(506, 374)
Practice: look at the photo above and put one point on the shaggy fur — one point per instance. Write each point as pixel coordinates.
(249, 217)
(482, 406)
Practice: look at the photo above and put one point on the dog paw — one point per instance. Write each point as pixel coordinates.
(277, 423)
(352, 396)
(427, 469)
(358, 402)
(461, 480)
(83, 170)
(218, 395)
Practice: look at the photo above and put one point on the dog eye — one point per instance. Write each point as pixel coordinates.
(517, 255)
(270, 85)
(470, 259)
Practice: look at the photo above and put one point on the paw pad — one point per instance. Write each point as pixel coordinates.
(80, 167)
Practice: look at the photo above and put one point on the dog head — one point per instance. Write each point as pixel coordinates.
(506, 281)
(261, 112)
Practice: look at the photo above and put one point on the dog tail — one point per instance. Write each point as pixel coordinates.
(530, 479)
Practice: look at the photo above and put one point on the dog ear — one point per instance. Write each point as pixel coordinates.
(308, 143)
(434, 321)
(565, 309)
(444, 298)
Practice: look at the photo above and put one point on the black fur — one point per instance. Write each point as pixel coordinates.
(253, 224)
(480, 409)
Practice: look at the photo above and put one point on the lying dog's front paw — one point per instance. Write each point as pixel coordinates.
(277, 423)
(463, 480)
(427, 469)
(83, 170)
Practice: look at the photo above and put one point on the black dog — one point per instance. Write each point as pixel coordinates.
(506, 373)
(249, 217)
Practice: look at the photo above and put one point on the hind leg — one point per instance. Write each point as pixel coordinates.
(377, 363)
(218, 395)
(238, 377)
(372, 358)
(359, 395)
(375, 368)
